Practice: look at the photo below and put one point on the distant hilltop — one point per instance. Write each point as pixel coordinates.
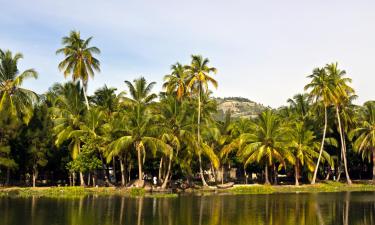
(239, 107)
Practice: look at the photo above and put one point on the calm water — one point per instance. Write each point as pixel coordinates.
(326, 208)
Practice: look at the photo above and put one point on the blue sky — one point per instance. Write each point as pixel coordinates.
(263, 49)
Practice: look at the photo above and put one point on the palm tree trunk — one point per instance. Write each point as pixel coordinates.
(296, 173)
(199, 137)
(321, 146)
(81, 178)
(140, 177)
(160, 168)
(342, 147)
(167, 176)
(123, 173)
(266, 180)
(85, 95)
(35, 175)
(201, 171)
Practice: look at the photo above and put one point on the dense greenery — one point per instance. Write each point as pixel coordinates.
(173, 135)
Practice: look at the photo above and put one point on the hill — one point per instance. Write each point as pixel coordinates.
(239, 107)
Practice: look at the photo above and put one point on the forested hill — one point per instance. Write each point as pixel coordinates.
(239, 107)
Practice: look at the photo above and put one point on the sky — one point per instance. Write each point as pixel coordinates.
(263, 50)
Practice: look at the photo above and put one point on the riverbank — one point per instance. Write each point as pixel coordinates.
(74, 192)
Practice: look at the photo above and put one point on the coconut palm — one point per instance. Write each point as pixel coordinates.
(364, 134)
(176, 82)
(321, 89)
(140, 131)
(199, 77)
(265, 144)
(79, 61)
(342, 92)
(304, 147)
(15, 99)
(69, 115)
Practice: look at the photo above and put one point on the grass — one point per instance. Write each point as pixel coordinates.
(77, 192)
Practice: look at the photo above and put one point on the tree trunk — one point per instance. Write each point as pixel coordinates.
(88, 179)
(222, 174)
(160, 169)
(296, 172)
(35, 175)
(140, 177)
(123, 172)
(85, 95)
(201, 171)
(373, 165)
(114, 169)
(321, 146)
(266, 180)
(82, 180)
(74, 178)
(342, 147)
(167, 176)
(199, 137)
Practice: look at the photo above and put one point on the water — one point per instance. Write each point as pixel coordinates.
(302, 209)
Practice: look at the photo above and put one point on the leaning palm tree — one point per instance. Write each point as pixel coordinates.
(15, 99)
(342, 92)
(304, 147)
(321, 89)
(364, 134)
(176, 81)
(79, 62)
(199, 78)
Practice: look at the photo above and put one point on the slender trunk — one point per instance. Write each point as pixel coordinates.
(81, 177)
(140, 177)
(199, 137)
(222, 174)
(245, 176)
(321, 146)
(373, 165)
(201, 171)
(114, 169)
(167, 176)
(123, 173)
(85, 95)
(74, 178)
(88, 179)
(296, 172)
(94, 179)
(342, 147)
(266, 180)
(35, 175)
(160, 169)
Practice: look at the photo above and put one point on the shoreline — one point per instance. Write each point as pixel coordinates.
(249, 189)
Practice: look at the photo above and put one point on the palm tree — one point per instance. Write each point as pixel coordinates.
(342, 93)
(321, 89)
(304, 147)
(140, 131)
(69, 114)
(79, 62)
(14, 99)
(364, 134)
(176, 81)
(200, 77)
(265, 143)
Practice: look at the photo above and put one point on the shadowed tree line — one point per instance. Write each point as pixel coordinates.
(65, 135)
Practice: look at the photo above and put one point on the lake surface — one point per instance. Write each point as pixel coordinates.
(302, 209)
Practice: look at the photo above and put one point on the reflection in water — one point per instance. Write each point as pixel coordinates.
(279, 209)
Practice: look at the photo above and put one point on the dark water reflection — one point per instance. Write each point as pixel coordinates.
(303, 209)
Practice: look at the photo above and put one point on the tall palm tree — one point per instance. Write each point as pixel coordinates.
(321, 89)
(69, 114)
(304, 147)
(364, 134)
(342, 93)
(140, 131)
(15, 99)
(176, 81)
(79, 61)
(199, 77)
